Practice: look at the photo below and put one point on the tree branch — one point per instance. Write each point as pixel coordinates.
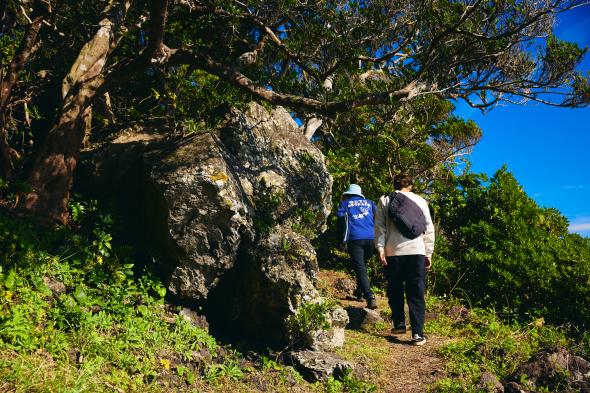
(27, 47)
(236, 78)
(155, 52)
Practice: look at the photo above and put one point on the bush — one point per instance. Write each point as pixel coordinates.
(485, 343)
(498, 248)
(70, 304)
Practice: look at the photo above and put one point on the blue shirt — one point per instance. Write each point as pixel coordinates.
(359, 216)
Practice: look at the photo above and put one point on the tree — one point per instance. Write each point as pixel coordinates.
(371, 147)
(22, 53)
(499, 248)
(320, 59)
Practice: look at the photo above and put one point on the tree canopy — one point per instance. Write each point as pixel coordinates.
(71, 67)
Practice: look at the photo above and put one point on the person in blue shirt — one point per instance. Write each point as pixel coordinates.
(356, 219)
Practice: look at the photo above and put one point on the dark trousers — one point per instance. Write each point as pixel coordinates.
(405, 275)
(360, 251)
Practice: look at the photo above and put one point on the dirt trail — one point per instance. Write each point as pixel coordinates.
(389, 361)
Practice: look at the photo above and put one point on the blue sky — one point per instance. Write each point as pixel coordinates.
(546, 148)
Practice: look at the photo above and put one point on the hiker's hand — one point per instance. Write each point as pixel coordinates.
(382, 258)
(427, 263)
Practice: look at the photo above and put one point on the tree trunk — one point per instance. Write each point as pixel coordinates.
(311, 126)
(52, 172)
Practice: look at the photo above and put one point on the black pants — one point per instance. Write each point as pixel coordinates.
(360, 251)
(405, 274)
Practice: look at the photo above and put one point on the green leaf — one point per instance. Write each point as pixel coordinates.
(10, 279)
(41, 286)
(143, 310)
(69, 302)
(190, 377)
(80, 295)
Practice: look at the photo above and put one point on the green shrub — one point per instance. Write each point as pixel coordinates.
(74, 299)
(497, 248)
(483, 342)
(309, 317)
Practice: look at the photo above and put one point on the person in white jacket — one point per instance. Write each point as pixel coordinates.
(405, 262)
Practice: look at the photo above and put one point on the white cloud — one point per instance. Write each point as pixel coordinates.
(580, 225)
(574, 187)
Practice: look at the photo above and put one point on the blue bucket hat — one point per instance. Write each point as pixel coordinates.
(354, 189)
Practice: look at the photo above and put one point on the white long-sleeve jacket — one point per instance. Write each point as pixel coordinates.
(388, 237)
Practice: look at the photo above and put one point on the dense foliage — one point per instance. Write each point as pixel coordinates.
(372, 147)
(498, 247)
(70, 70)
(73, 299)
(74, 316)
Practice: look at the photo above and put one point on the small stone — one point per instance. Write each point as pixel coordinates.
(345, 285)
(193, 318)
(318, 366)
(332, 338)
(513, 387)
(362, 318)
(458, 313)
(56, 287)
(490, 383)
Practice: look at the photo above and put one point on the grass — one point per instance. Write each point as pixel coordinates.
(484, 343)
(77, 316)
(370, 350)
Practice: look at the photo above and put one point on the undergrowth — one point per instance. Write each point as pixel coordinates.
(482, 342)
(75, 317)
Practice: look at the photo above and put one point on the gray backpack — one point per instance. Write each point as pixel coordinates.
(406, 215)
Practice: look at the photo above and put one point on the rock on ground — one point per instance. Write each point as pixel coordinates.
(317, 365)
(226, 215)
(553, 369)
(490, 383)
(332, 338)
(362, 318)
(345, 286)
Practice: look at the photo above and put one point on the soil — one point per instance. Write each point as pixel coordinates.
(389, 361)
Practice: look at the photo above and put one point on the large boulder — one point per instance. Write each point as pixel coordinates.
(227, 214)
(274, 278)
(206, 216)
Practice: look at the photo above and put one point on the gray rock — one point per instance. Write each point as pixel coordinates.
(270, 289)
(551, 369)
(362, 318)
(57, 287)
(490, 383)
(205, 215)
(227, 214)
(579, 369)
(345, 285)
(192, 317)
(332, 338)
(318, 366)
